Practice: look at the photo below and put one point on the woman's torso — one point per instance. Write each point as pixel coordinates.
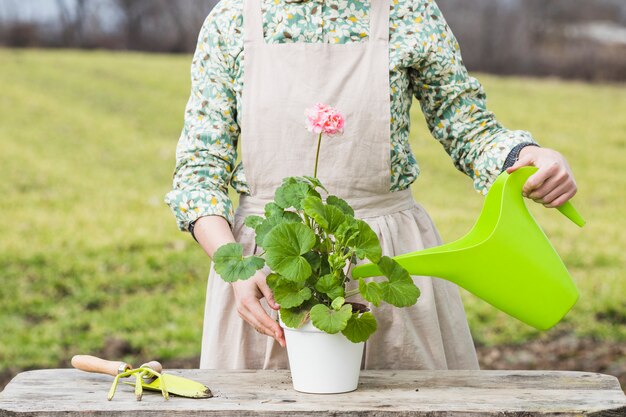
(340, 21)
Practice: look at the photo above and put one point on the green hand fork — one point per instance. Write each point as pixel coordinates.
(505, 259)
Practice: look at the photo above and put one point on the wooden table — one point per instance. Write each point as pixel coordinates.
(68, 392)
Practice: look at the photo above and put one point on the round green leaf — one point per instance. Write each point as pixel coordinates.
(347, 231)
(273, 209)
(329, 284)
(289, 294)
(327, 216)
(371, 291)
(253, 221)
(341, 204)
(265, 227)
(314, 259)
(231, 265)
(290, 216)
(366, 244)
(400, 290)
(337, 303)
(359, 329)
(291, 195)
(285, 244)
(272, 280)
(295, 317)
(315, 182)
(269, 223)
(330, 321)
(338, 291)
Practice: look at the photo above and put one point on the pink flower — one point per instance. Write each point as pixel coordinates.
(322, 118)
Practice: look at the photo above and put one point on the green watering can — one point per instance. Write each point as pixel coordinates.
(506, 259)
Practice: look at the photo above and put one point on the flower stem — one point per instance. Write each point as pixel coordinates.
(317, 155)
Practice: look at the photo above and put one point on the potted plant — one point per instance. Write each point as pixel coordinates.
(310, 240)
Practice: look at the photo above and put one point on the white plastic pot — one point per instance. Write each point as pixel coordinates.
(322, 363)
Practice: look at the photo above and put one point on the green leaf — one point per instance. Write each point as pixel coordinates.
(400, 290)
(347, 230)
(341, 204)
(335, 217)
(231, 265)
(313, 258)
(336, 261)
(338, 291)
(290, 180)
(272, 280)
(371, 291)
(314, 207)
(325, 266)
(315, 182)
(359, 329)
(268, 224)
(289, 294)
(273, 209)
(327, 216)
(330, 321)
(295, 317)
(326, 283)
(290, 216)
(337, 303)
(366, 244)
(291, 195)
(253, 221)
(285, 244)
(265, 227)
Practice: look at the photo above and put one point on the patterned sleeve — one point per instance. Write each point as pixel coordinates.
(207, 147)
(454, 103)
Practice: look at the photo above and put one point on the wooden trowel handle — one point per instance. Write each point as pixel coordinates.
(89, 363)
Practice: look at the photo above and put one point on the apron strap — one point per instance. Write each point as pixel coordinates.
(379, 20)
(253, 21)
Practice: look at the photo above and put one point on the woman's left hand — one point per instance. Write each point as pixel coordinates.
(553, 183)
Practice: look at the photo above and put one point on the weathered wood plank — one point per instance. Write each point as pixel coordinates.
(67, 392)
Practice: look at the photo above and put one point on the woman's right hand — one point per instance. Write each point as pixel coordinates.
(214, 231)
(248, 294)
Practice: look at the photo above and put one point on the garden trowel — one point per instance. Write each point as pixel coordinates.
(148, 376)
(506, 259)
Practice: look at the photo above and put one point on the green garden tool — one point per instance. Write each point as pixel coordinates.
(148, 375)
(506, 259)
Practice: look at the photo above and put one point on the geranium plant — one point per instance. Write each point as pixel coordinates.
(310, 244)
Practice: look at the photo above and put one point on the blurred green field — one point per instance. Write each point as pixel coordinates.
(89, 251)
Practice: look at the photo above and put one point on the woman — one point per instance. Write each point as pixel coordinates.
(258, 64)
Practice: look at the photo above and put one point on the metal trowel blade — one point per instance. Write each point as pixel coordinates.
(177, 385)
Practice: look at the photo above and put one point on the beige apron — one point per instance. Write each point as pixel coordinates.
(281, 80)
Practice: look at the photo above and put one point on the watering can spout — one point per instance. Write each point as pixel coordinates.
(569, 211)
(506, 259)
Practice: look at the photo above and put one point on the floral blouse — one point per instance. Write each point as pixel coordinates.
(424, 62)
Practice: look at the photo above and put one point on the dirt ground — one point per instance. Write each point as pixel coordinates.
(564, 352)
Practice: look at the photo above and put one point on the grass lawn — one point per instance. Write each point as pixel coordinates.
(89, 253)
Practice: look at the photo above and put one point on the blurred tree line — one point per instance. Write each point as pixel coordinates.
(146, 25)
(567, 38)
